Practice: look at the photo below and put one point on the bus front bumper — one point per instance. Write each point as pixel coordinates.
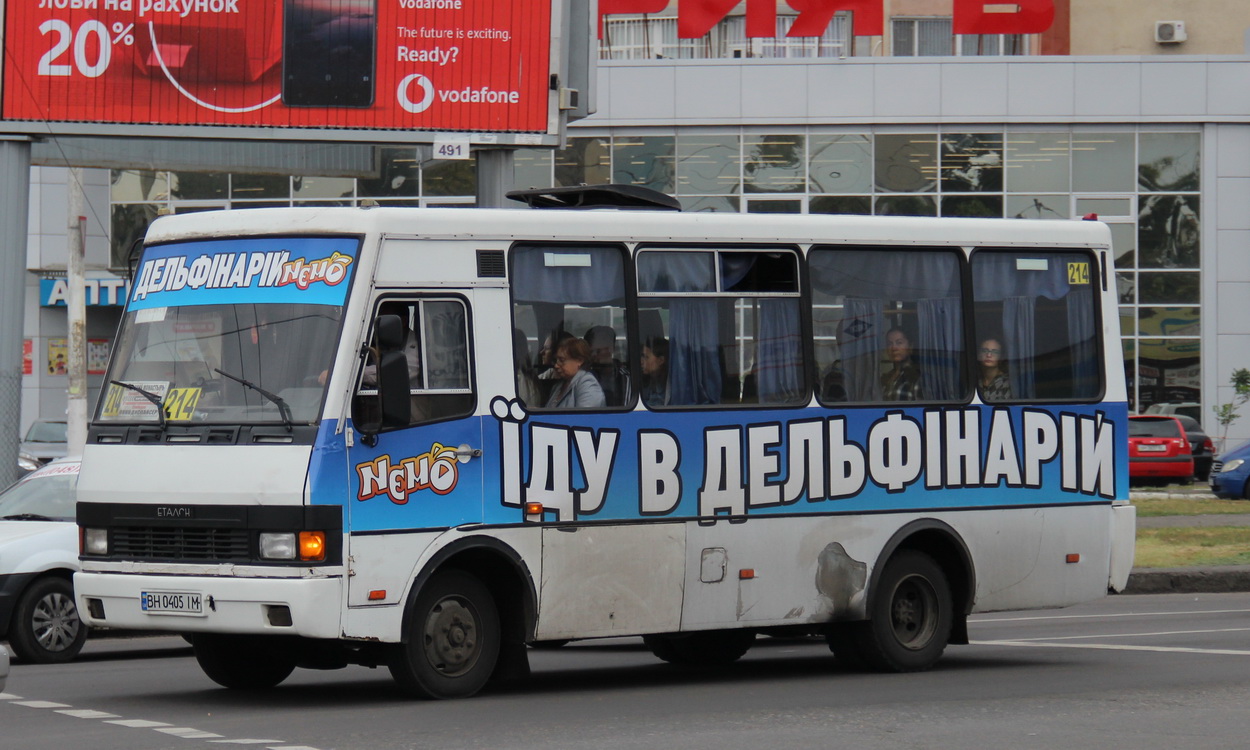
(307, 607)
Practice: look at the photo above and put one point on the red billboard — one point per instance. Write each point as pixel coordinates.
(441, 65)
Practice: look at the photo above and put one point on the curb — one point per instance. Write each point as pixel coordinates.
(1215, 580)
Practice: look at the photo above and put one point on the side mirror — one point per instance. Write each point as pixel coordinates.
(393, 407)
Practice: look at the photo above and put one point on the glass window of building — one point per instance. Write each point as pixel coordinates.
(441, 178)
(709, 165)
(644, 160)
(584, 161)
(531, 168)
(1168, 162)
(399, 176)
(1037, 162)
(840, 164)
(1103, 162)
(906, 163)
(774, 163)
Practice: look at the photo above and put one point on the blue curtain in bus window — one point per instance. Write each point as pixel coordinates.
(694, 371)
(997, 276)
(941, 347)
(1018, 315)
(1084, 351)
(588, 275)
(778, 352)
(861, 336)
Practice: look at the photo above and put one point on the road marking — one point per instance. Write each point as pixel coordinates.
(137, 723)
(86, 713)
(186, 733)
(1132, 635)
(1117, 647)
(1109, 616)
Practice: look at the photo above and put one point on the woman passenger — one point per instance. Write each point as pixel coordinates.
(575, 387)
(993, 382)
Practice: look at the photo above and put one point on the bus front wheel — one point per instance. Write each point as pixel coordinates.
(910, 618)
(453, 640)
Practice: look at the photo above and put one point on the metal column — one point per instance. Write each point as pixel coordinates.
(14, 205)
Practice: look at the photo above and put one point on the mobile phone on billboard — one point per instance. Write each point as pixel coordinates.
(329, 52)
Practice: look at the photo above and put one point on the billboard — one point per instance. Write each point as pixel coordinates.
(425, 65)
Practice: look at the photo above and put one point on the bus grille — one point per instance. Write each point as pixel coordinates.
(149, 543)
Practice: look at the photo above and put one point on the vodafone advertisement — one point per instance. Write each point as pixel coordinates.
(446, 65)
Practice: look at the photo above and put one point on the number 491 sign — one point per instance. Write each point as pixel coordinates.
(451, 146)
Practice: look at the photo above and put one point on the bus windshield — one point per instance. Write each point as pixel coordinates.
(226, 363)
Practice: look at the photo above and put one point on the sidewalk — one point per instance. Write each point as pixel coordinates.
(1219, 579)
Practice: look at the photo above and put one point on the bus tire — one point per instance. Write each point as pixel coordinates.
(46, 628)
(711, 649)
(243, 662)
(454, 639)
(910, 618)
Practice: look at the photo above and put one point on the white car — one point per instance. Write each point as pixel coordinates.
(4, 666)
(38, 559)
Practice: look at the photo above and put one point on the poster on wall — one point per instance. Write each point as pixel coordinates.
(28, 357)
(58, 356)
(446, 65)
(98, 356)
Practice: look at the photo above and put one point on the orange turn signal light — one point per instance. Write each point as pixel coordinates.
(1073, 558)
(746, 574)
(312, 545)
(377, 595)
(533, 509)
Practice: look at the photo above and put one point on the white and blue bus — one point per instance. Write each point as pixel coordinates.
(430, 439)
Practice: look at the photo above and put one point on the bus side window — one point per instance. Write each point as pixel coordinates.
(888, 324)
(730, 323)
(1041, 308)
(566, 292)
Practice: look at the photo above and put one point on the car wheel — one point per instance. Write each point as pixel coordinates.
(46, 628)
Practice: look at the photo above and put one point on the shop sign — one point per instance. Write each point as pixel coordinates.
(695, 18)
(454, 65)
(111, 292)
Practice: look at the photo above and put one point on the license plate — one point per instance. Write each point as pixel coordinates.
(172, 602)
(1151, 448)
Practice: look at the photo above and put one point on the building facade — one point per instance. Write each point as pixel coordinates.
(1151, 136)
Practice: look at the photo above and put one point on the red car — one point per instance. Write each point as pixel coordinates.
(1158, 448)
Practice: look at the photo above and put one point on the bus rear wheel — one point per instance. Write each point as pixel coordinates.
(701, 649)
(910, 618)
(243, 662)
(453, 640)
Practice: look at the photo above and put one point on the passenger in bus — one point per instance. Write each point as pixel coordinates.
(655, 371)
(576, 387)
(995, 386)
(612, 374)
(902, 382)
(546, 370)
(526, 380)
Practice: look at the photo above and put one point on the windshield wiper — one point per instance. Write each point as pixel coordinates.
(283, 409)
(27, 517)
(160, 402)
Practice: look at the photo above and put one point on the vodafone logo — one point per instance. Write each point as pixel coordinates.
(427, 93)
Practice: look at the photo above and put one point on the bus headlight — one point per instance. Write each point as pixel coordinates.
(277, 545)
(95, 542)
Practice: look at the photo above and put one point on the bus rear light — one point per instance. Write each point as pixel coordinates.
(312, 545)
(1074, 557)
